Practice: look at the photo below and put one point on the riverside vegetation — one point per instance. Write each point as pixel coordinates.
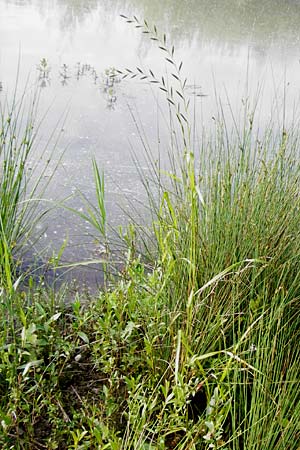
(196, 344)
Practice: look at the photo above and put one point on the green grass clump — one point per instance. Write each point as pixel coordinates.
(19, 212)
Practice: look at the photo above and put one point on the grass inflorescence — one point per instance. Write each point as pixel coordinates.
(198, 348)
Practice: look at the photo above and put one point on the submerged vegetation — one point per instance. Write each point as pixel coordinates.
(196, 344)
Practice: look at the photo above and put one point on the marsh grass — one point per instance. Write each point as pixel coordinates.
(231, 219)
(200, 352)
(21, 186)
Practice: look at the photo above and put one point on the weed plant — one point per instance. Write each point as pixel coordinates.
(200, 352)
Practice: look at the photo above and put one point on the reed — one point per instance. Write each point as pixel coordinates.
(21, 186)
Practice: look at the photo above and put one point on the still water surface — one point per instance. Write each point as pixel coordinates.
(221, 43)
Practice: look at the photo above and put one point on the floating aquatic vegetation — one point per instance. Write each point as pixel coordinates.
(44, 73)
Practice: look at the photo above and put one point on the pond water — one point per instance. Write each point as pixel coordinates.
(70, 46)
